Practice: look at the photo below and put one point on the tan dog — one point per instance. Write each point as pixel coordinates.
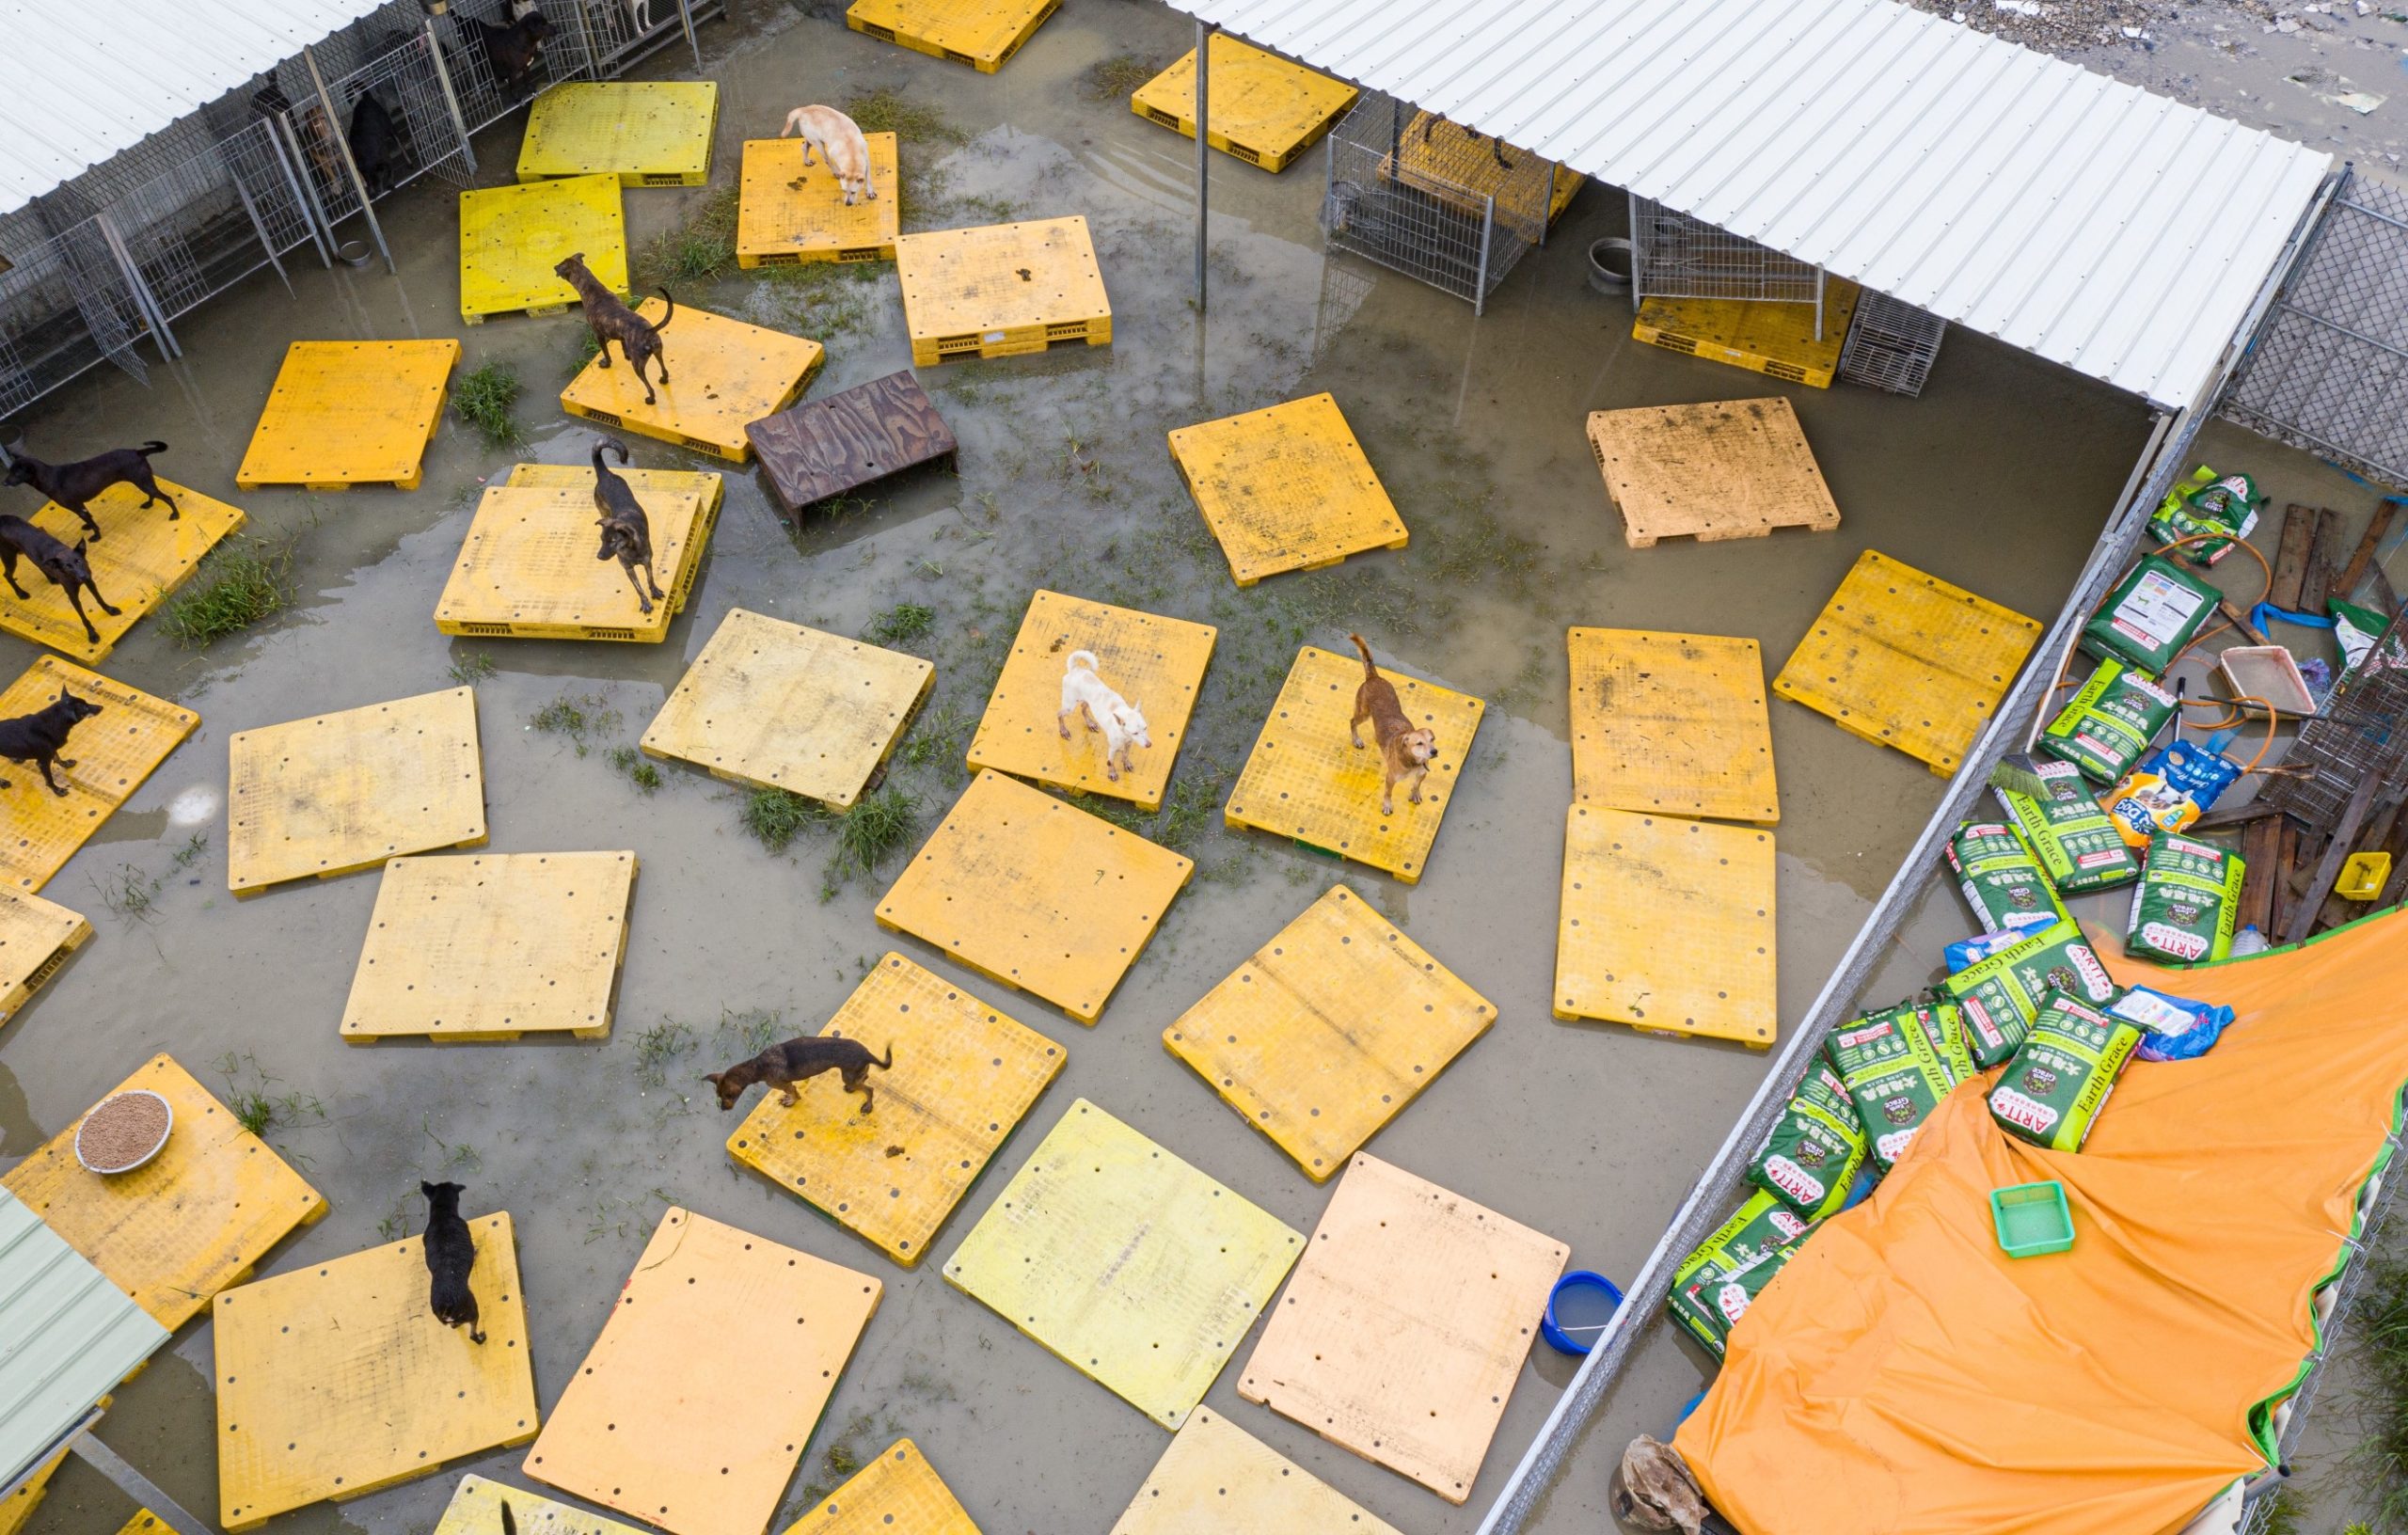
(1404, 751)
(838, 139)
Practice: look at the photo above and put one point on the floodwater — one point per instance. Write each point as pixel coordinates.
(1998, 478)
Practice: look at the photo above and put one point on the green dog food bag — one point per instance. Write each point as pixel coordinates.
(2053, 1090)
(1894, 1076)
(2077, 843)
(1943, 1024)
(2109, 724)
(1809, 1159)
(2226, 507)
(2187, 903)
(2151, 615)
(1709, 1305)
(1761, 1229)
(1998, 998)
(2355, 630)
(2002, 879)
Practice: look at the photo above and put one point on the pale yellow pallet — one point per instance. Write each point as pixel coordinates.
(983, 34)
(899, 1492)
(1307, 780)
(779, 706)
(963, 1076)
(1406, 1325)
(476, 1505)
(1777, 340)
(349, 413)
(1729, 468)
(36, 938)
(1154, 662)
(708, 484)
(1134, 1268)
(338, 793)
(1905, 660)
(512, 237)
(527, 568)
(1215, 1478)
(334, 1379)
(1001, 289)
(143, 1523)
(1329, 1031)
(112, 751)
(1286, 488)
(1671, 723)
(141, 557)
(1030, 892)
(788, 211)
(1437, 157)
(17, 1508)
(641, 133)
(493, 946)
(1667, 925)
(194, 1220)
(1265, 110)
(649, 1428)
(725, 375)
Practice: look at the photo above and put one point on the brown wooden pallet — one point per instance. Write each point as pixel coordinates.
(826, 447)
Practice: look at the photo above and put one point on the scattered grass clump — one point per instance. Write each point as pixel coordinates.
(777, 816)
(574, 716)
(1186, 811)
(472, 667)
(483, 399)
(129, 894)
(750, 1032)
(631, 761)
(243, 581)
(820, 299)
(876, 825)
(701, 247)
(196, 848)
(257, 1107)
(2379, 1333)
(658, 1048)
(937, 738)
(891, 112)
(902, 623)
(1117, 79)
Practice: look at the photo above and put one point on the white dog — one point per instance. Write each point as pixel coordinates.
(1121, 720)
(639, 15)
(838, 139)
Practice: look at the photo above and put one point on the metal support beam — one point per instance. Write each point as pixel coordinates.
(342, 148)
(1204, 31)
(686, 15)
(450, 100)
(1487, 234)
(136, 1486)
(1546, 206)
(259, 224)
(144, 299)
(297, 176)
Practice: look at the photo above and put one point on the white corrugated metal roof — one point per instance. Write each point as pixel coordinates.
(2122, 234)
(67, 1336)
(81, 80)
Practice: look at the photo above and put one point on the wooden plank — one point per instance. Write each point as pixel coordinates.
(1671, 723)
(2328, 868)
(1286, 488)
(2262, 842)
(2318, 584)
(843, 441)
(2287, 855)
(36, 938)
(2378, 528)
(898, 1492)
(143, 557)
(2239, 620)
(1732, 468)
(2292, 555)
(1216, 1478)
(112, 751)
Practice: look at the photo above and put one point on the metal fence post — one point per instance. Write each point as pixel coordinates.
(1819, 303)
(143, 298)
(342, 146)
(267, 240)
(1204, 31)
(298, 177)
(1480, 280)
(686, 15)
(450, 100)
(585, 36)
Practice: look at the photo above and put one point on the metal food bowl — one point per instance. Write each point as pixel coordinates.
(353, 253)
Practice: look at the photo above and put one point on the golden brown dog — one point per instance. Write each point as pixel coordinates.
(1404, 751)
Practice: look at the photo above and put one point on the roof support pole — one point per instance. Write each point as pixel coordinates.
(342, 146)
(685, 16)
(136, 1486)
(1204, 31)
(450, 102)
(1819, 303)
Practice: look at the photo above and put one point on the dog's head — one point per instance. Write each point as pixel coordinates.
(20, 473)
(1418, 746)
(441, 1196)
(571, 267)
(77, 708)
(536, 25)
(616, 536)
(1131, 717)
(730, 1084)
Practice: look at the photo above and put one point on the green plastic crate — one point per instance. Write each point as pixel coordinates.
(2032, 1219)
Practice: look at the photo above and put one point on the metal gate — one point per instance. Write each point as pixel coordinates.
(1390, 200)
(103, 296)
(2329, 374)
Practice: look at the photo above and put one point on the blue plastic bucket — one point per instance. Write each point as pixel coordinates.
(1577, 1309)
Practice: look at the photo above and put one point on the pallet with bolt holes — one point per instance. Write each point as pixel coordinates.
(789, 213)
(36, 938)
(115, 750)
(1724, 470)
(1775, 340)
(1287, 487)
(725, 376)
(1266, 111)
(654, 132)
(527, 569)
(983, 34)
(349, 413)
(511, 237)
(1462, 169)
(1001, 289)
(144, 557)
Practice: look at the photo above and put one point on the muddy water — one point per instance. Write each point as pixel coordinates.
(1997, 478)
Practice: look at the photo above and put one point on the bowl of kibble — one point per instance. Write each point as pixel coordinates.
(123, 1130)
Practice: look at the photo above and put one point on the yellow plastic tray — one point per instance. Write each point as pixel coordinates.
(1671, 723)
(112, 751)
(1266, 111)
(983, 34)
(1001, 289)
(898, 1492)
(349, 413)
(644, 134)
(527, 568)
(1286, 488)
(141, 557)
(1216, 1478)
(36, 938)
(789, 212)
(725, 375)
(511, 237)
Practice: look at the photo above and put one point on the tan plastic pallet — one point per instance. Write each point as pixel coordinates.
(527, 568)
(1215, 1478)
(983, 34)
(1266, 110)
(725, 375)
(512, 237)
(1731, 469)
(1001, 289)
(1775, 340)
(1286, 488)
(140, 561)
(790, 213)
(1671, 723)
(36, 938)
(654, 132)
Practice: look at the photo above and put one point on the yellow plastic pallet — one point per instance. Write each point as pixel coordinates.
(114, 752)
(338, 793)
(1775, 340)
(965, 1074)
(1134, 1268)
(644, 133)
(1406, 1325)
(788, 211)
(779, 706)
(899, 1492)
(143, 1523)
(527, 568)
(476, 1505)
(195, 1220)
(36, 938)
(1266, 111)
(725, 375)
(1667, 925)
(1286, 488)
(17, 1508)
(334, 1380)
(647, 1428)
(1671, 723)
(1728, 468)
(141, 559)
(1216, 1478)
(983, 34)
(349, 413)
(511, 237)
(709, 485)
(493, 946)
(1036, 895)
(1905, 660)
(1307, 780)
(1156, 663)
(1438, 157)
(1329, 1031)
(1001, 289)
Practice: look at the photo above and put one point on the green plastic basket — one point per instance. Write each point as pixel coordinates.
(2032, 1219)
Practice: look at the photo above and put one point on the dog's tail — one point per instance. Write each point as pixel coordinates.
(509, 1523)
(888, 1064)
(1365, 650)
(606, 445)
(149, 448)
(1079, 656)
(662, 324)
(792, 123)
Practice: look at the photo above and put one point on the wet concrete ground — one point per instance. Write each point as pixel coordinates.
(1998, 478)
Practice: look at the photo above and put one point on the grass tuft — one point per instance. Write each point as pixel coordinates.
(701, 247)
(905, 621)
(658, 1048)
(483, 399)
(243, 581)
(631, 761)
(2379, 1347)
(1117, 79)
(574, 716)
(472, 667)
(777, 816)
(876, 825)
(891, 112)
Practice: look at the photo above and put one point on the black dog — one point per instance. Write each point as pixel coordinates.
(512, 51)
(72, 484)
(39, 736)
(626, 532)
(376, 146)
(67, 568)
(611, 320)
(784, 1066)
(450, 1253)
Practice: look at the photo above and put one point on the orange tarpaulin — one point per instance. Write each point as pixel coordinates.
(1904, 1375)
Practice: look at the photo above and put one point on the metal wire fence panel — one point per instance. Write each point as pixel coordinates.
(1891, 345)
(1679, 257)
(196, 229)
(2330, 374)
(1394, 197)
(64, 306)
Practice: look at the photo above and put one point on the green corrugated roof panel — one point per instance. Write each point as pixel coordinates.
(67, 1336)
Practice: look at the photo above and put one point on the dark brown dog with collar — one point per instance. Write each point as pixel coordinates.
(613, 321)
